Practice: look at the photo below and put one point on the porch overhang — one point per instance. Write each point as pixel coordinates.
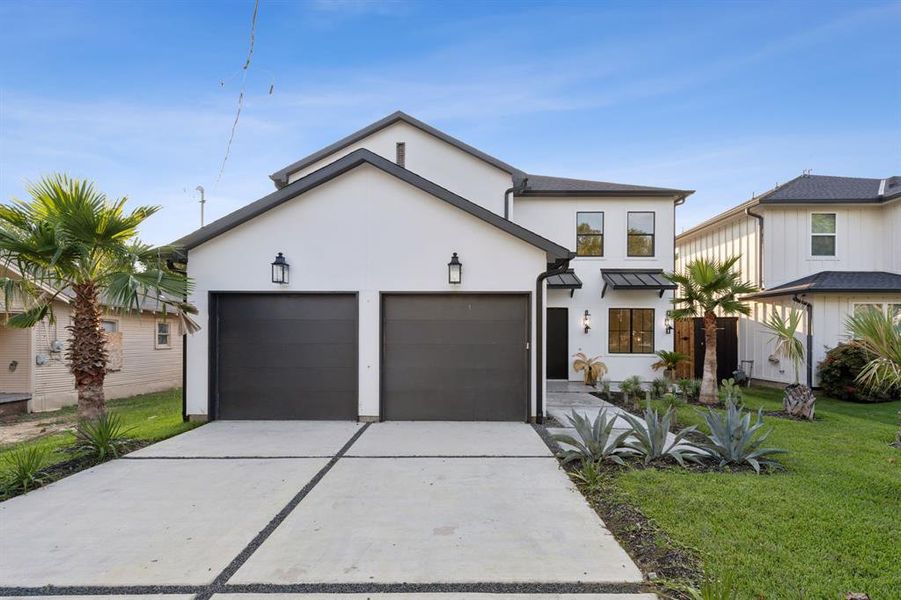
(567, 280)
(635, 280)
(835, 282)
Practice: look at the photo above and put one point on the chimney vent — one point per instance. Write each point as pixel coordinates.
(401, 154)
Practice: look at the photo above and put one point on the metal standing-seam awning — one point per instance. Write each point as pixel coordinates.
(567, 280)
(636, 279)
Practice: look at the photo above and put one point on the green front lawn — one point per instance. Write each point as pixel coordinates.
(151, 417)
(829, 524)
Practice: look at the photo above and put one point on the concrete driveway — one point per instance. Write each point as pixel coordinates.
(309, 510)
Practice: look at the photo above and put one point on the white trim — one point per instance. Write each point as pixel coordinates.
(156, 334)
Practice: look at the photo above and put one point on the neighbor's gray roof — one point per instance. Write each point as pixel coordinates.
(543, 185)
(837, 281)
(280, 177)
(345, 164)
(831, 189)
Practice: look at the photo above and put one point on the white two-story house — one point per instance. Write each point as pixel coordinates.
(827, 246)
(402, 274)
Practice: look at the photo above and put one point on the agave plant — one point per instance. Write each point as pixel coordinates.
(103, 437)
(596, 439)
(592, 368)
(734, 439)
(23, 468)
(648, 438)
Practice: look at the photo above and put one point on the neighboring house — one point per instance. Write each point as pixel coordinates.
(427, 280)
(828, 246)
(145, 355)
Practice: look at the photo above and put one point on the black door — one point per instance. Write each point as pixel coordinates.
(558, 343)
(284, 356)
(459, 357)
(726, 347)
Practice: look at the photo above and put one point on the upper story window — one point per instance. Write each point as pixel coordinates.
(110, 326)
(822, 234)
(590, 234)
(640, 234)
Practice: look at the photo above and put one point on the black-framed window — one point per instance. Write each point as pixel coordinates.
(631, 331)
(590, 234)
(640, 238)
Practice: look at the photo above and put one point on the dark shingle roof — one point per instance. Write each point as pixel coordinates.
(837, 281)
(543, 185)
(343, 165)
(828, 189)
(280, 177)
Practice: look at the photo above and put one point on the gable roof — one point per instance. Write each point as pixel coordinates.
(544, 185)
(280, 177)
(345, 164)
(837, 281)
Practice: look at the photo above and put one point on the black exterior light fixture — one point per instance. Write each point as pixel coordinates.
(586, 320)
(280, 269)
(668, 323)
(455, 270)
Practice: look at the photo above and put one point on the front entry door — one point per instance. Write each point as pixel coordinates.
(558, 343)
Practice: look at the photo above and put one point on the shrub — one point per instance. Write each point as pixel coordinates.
(690, 389)
(592, 368)
(734, 440)
(24, 467)
(730, 391)
(659, 387)
(603, 387)
(596, 440)
(648, 438)
(588, 475)
(631, 387)
(102, 438)
(839, 371)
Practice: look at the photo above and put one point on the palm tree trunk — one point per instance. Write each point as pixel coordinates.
(87, 351)
(708, 382)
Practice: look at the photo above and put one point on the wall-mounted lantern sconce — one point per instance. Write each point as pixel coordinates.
(455, 270)
(280, 269)
(586, 320)
(668, 324)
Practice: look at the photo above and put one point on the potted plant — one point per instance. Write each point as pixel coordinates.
(798, 399)
(592, 368)
(669, 361)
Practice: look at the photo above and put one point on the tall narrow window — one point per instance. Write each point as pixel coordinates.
(640, 234)
(590, 234)
(162, 334)
(401, 159)
(822, 234)
(631, 331)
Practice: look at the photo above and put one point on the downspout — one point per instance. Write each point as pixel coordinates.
(184, 350)
(809, 308)
(557, 268)
(515, 189)
(759, 218)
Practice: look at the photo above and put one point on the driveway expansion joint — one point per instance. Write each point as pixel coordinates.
(222, 579)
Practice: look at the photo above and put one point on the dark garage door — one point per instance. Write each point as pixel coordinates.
(285, 356)
(455, 357)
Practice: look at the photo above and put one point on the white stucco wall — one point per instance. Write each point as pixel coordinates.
(364, 232)
(434, 159)
(555, 219)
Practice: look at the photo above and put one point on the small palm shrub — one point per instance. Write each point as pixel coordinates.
(730, 391)
(734, 440)
(631, 389)
(102, 438)
(648, 438)
(839, 372)
(690, 389)
(23, 468)
(596, 441)
(669, 362)
(592, 368)
(603, 388)
(659, 387)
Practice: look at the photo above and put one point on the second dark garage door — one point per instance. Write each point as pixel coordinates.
(460, 357)
(285, 356)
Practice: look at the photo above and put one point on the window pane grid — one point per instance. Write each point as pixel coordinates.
(631, 331)
(590, 233)
(640, 234)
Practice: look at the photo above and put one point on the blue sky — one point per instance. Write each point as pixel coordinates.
(724, 98)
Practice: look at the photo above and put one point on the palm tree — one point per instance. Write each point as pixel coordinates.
(787, 345)
(669, 362)
(69, 240)
(880, 337)
(708, 286)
